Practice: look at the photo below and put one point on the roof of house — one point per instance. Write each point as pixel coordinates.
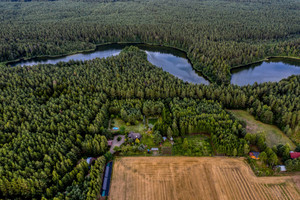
(134, 135)
(295, 155)
(154, 149)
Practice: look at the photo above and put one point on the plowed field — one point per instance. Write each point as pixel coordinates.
(189, 178)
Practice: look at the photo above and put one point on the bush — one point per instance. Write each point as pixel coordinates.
(141, 147)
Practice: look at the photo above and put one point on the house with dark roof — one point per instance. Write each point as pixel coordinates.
(134, 135)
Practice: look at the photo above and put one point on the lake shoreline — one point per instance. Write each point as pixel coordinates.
(98, 46)
(263, 60)
(173, 60)
(91, 50)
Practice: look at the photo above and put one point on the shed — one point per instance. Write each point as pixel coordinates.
(281, 167)
(294, 155)
(134, 135)
(154, 149)
(164, 138)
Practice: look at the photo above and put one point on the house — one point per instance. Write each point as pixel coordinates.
(134, 135)
(294, 155)
(281, 167)
(109, 142)
(254, 155)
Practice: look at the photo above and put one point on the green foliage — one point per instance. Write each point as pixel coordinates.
(96, 175)
(157, 137)
(149, 140)
(193, 146)
(260, 170)
(292, 164)
(94, 146)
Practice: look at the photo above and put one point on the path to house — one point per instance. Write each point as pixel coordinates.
(116, 143)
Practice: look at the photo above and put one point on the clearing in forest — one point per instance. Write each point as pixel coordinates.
(274, 136)
(138, 128)
(174, 178)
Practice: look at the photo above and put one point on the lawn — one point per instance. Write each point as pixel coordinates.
(274, 136)
(138, 128)
(148, 141)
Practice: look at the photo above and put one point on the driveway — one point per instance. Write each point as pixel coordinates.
(116, 143)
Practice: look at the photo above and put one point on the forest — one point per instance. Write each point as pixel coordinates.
(54, 116)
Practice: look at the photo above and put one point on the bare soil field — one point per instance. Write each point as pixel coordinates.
(192, 178)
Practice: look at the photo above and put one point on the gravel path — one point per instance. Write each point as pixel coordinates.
(116, 143)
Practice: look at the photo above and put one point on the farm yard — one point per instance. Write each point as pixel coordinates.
(195, 178)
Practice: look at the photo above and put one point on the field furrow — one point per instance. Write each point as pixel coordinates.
(207, 178)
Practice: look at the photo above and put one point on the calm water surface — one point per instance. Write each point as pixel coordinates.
(273, 70)
(175, 62)
(171, 60)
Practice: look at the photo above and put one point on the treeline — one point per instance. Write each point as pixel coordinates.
(88, 187)
(215, 37)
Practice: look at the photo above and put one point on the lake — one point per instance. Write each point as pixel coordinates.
(176, 62)
(273, 70)
(169, 59)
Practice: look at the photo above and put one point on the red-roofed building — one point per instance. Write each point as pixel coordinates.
(294, 155)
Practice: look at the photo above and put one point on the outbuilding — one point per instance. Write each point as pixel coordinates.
(294, 155)
(281, 167)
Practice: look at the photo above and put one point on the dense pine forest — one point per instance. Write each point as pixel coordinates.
(54, 116)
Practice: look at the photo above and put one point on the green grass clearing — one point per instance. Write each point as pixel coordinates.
(274, 136)
(167, 144)
(138, 128)
(148, 141)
